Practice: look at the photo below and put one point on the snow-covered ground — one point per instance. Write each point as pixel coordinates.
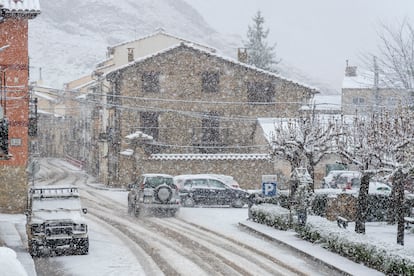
(9, 263)
(110, 256)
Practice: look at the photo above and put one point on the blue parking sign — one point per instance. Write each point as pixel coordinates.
(269, 189)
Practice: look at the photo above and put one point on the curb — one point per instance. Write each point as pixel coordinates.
(312, 257)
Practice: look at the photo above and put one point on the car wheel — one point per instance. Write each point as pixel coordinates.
(189, 202)
(33, 249)
(136, 210)
(130, 208)
(238, 203)
(172, 212)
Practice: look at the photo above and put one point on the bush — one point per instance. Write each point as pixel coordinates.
(387, 258)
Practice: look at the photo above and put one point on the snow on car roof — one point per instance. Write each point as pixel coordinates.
(54, 191)
(57, 208)
(156, 174)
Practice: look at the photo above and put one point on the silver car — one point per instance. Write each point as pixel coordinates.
(153, 194)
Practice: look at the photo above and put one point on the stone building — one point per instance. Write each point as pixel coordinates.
(185, 109)
(14, 102)
(365, 92)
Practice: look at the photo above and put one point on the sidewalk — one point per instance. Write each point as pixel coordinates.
(313, 251)
(13, 235)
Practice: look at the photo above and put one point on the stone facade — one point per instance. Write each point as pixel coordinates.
(13, 191)
(191, 101)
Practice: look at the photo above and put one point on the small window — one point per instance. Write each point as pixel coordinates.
(216, 184)
(151, 82)
(260, 92)
(210, 81)
(358, 100)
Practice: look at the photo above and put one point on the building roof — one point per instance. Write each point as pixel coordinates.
(24, 7)
(193, 47)
(230, 156)
(325, 103)
(161, 31)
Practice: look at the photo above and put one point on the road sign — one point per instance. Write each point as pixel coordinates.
(33, 167)
(269, 185)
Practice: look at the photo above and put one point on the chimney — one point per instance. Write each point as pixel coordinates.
(242, 55)
(350, 71)
(130, 54)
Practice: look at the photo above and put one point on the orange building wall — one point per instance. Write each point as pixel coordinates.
(14, 62)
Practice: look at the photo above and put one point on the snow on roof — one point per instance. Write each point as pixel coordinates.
(52, 208)
(39, 111)
(363, 79)
(268, 124)
(81, 97)
(20, 6)
(230, 156)
(127, 152)
(325, 102)
(44, 96)
(111, 73)
(139, 134)
(359, 81)
(162, 32)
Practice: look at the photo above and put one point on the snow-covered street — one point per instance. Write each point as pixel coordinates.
(199, 241)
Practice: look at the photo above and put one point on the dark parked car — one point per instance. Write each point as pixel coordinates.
(209, 190)
(153, 193)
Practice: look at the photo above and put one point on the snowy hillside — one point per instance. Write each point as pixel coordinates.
(70, 37)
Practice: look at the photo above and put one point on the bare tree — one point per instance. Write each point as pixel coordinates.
(394, 63)
(304, 141)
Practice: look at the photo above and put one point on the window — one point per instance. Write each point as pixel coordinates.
(149, 123)
(151, 82)
(358, 100)
(210, 81)
(260, 92)
(210, 128)
(216, 184)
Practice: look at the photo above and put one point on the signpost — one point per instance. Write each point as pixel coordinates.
(33, 168)
(269, 185)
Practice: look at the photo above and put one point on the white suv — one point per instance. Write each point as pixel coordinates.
(153, 193)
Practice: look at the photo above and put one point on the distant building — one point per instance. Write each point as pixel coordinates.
(364, 92)
(14, 102)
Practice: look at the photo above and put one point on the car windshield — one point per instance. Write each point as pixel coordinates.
(155, 181)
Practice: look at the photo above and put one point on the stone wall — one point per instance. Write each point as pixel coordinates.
(13, 187)
(248, 173)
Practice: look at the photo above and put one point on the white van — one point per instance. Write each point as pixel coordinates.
(340, 179)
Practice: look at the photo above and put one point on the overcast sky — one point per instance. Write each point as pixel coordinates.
(316, 36)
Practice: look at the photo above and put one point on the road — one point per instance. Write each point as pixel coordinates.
(198, 241)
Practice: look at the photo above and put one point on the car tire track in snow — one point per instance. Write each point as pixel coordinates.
(208, 258)
(149, 267)
(242, 250)
(164, 251)
(169, 246)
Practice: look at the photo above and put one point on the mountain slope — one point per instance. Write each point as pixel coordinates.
(70, 37)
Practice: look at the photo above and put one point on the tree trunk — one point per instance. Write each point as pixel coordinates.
(391, 210)
(362, 205)
(400, 178)
(311, 170)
